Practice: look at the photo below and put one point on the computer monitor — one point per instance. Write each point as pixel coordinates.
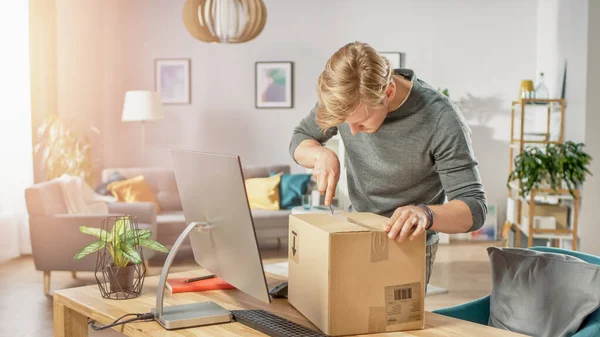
(213, 195)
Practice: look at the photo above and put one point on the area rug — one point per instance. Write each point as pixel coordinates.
(281, 268)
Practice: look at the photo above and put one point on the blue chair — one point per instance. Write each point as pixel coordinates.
(478, 311)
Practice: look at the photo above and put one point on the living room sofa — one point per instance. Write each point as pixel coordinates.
(55, 235)
(270, 225)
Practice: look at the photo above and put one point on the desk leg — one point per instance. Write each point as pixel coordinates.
(69, 323)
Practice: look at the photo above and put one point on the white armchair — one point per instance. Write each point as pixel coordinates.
(55, 235)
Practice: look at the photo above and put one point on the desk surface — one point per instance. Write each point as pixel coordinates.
(73, 307)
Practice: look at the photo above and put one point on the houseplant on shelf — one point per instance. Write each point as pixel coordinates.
(122, 268)
(555, 166)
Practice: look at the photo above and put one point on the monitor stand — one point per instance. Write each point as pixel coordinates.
(186, 315)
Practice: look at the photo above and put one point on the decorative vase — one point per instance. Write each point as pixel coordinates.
(526, 91)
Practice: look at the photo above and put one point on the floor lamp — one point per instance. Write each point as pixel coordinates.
(142, 106)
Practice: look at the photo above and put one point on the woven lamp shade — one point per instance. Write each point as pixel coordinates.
(224, 21)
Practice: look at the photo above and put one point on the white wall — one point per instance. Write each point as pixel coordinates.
(590, 222)
(562, 38)
(468, 46)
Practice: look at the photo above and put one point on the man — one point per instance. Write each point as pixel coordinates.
(407, 146)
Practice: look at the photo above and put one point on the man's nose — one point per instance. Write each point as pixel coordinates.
(354, 129)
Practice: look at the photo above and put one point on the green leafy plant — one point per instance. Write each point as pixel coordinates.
(121, 242)
(64, 149)
(554, 166)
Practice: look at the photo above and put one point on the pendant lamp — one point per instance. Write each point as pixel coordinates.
(224, 21)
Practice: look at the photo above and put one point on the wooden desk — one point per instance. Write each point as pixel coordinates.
(73, 307)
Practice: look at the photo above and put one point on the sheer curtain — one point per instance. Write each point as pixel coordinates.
(16, 160)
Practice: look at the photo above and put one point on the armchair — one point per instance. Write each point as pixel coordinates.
(55, 235)
(478, 311)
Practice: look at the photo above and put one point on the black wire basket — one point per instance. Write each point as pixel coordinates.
(120, 268)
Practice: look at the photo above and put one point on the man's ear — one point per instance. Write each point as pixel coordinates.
(389, 92)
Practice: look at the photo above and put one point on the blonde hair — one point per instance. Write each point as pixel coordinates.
(354, 76)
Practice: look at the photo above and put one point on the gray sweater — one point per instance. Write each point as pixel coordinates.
(422, 154)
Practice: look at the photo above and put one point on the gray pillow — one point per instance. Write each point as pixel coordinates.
(102, 188)
(540, 293)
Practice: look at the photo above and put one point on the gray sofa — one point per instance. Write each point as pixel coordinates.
(55, 235)
(269, 225)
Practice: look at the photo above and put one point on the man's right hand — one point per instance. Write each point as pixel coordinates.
(324, 163)
(327, 173)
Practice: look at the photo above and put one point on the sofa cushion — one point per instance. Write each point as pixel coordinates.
(531, 287)
(263, 193)
(161, 181)
(291, 189)
(133, 190)
(102, 188)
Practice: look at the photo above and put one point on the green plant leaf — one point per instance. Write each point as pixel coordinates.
(121, 225)
(153, 245)
(97, 232)
(557, 166)
(131, 235)
(92, 247)
(129, 253)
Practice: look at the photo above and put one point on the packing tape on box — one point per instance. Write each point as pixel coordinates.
(379, 246)
(379, 240)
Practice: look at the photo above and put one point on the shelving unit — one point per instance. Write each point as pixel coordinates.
(519, 139)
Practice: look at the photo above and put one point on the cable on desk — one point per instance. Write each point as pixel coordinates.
(138, 317)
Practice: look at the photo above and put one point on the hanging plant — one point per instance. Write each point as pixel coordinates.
(555, 166)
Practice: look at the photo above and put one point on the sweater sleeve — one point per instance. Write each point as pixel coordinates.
(308, 129)
(456, 165)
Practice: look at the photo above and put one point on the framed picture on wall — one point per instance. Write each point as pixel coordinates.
(274, 84)
(396, 58)
(172, 80)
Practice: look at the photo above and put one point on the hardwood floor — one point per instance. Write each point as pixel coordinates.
(462, 268)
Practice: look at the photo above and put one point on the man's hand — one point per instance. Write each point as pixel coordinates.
(405, 220)
(327, 173)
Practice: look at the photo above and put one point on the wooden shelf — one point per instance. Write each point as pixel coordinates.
(518, 143)
(535, 101)
(561, 193)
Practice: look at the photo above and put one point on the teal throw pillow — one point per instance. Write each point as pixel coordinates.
(291, 189)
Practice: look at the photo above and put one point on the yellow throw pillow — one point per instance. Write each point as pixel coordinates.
(263, 193)
(133, 190)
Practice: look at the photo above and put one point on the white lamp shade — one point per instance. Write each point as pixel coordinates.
(142, 105)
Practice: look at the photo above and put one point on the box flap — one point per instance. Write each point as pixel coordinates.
(344, 222)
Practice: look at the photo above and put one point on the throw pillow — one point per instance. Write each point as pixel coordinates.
(263, 193)
(541, 293)
(291, 189)
(133, 190)
(102, 188)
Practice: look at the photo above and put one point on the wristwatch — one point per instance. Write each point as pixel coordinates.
(429, 213)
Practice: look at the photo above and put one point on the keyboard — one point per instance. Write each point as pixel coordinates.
(272, 325)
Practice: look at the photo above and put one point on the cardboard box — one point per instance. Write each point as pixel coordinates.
(347, 277)
(559, 212)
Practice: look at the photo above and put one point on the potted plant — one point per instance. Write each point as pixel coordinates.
(123, 242)
(64, 149)
(555, 166)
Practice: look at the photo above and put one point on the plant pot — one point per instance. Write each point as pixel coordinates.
(120, 278)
